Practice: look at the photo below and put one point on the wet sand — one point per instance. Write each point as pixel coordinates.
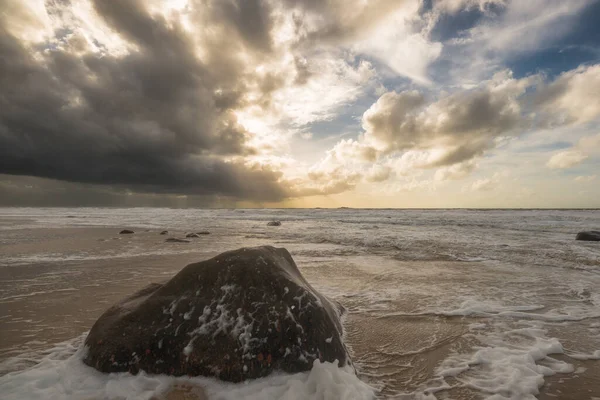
(42, 303)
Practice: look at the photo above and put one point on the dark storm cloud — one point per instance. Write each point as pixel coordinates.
(251, 19)
(28, 191)
(152, 120)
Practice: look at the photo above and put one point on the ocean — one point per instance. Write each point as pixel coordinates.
(442, 304)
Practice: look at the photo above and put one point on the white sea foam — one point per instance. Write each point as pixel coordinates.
(582, 356)
(61, 375)
(508, 364)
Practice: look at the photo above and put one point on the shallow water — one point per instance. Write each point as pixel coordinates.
(442, 303)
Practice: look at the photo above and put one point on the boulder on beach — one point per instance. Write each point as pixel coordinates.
(126, 232)
(274, 223)
(177, 240)
(164, 232)
(590, 236)
(240, 315)
(192, 235)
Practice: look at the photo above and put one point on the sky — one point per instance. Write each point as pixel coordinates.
(300, 103)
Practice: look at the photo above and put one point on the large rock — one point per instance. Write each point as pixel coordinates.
(274, 223)
(240, 315)
(592, 236)
(126, 232)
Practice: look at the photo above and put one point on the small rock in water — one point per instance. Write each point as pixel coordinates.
(203, 233)
(240, 315)
(126, 232)
(192, 235)
(590, 236)
(164, 232)
(274, 223)
(177, 240)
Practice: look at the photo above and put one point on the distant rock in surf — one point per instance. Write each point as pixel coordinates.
(590, 236)
(177, 240)
(164, 232)
(203, 233)
(274, 223)
(126, 232)
(240, 315)
(192, 235)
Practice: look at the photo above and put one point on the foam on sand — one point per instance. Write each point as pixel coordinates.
(510, 361)
(61, 375)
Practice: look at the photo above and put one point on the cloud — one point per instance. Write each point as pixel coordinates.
(157, 118)
(585, 178)
(454, 6)
(455, 128)
(490, 183)
(527, 25)
(379, 173)
(456, 171)
(582, 150)
(485, 184)
(572, 98)
(209, 99)
(134, 95)
(566, 159)
(395, 43)
(413, 130)
(410, 184)
(323, 183)
(381, 29)
(507, 30)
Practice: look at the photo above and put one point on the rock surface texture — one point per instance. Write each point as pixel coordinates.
(240, 315)
(592, 236)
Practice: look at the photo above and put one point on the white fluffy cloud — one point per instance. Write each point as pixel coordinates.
(574, 97)
(566, 159)
(456, 171)
(412, 130)
(394, 42)
(574, 156)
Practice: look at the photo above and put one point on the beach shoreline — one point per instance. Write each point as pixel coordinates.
(399, 347)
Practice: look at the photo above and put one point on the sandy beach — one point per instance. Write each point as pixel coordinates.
(415, 327)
